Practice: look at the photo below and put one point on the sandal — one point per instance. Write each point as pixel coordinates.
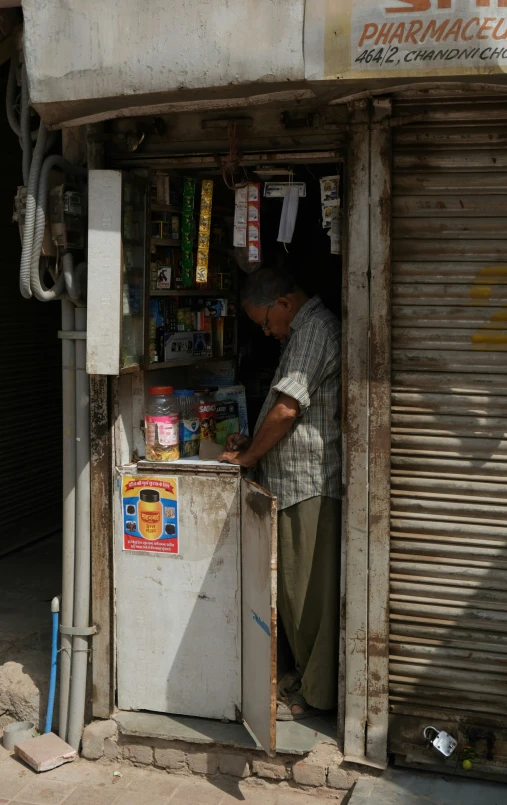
(285, 704)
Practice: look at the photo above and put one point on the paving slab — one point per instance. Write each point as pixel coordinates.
(87, 783)
(397, 787)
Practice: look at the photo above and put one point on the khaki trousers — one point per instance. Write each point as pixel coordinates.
(308, 593)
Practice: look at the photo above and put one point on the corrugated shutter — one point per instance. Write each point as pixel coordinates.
(448, 604)
(30, 386)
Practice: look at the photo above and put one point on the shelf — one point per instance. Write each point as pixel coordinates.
(165, 242)
(214, 247)
(194, 292)
(166, 208)
(188, 362)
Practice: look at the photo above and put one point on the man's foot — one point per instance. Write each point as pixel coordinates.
(293, 708)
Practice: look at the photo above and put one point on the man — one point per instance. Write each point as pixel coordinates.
(296, 445)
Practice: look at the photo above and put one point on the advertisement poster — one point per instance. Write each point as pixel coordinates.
(382, 38)
(150, 514)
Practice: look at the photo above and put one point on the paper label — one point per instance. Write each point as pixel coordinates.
(150, 524)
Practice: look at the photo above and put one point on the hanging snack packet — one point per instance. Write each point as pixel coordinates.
(187, 234)
(201, 272)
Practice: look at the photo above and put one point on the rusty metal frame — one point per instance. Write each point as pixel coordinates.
(367, 434)
(355, 516)
(380, 432)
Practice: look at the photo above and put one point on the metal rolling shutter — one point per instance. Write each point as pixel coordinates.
(30, 387)
(448, 605)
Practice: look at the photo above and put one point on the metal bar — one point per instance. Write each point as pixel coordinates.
(82, 574)
(356, 436)
(379, 435)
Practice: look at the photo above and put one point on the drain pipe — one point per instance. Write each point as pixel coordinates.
(82, 576)
(69, 507)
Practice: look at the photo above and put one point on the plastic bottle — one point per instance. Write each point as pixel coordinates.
(162, 424)
(189, 422)
(207, 413)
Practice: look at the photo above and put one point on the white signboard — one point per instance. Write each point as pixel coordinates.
(376, 38)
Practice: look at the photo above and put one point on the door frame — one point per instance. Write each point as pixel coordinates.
(363, 712)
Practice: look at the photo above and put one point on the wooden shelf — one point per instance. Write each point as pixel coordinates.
(165, 242)
(166, 208)
(194, 292)
(188, 362)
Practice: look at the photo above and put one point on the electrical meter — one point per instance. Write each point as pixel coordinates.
(67, 215)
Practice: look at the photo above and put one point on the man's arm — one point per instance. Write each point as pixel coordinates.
(277, 424)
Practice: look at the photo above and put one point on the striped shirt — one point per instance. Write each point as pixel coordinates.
(307, 461)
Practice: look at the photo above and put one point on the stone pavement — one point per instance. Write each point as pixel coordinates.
(86, 783)
(402, 787)
(30, 579)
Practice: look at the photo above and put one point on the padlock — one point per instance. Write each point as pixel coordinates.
(442, 741)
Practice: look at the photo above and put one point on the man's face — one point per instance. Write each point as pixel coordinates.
(273, 319)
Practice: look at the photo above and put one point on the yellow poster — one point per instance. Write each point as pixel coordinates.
(397, 38)
(150, 514)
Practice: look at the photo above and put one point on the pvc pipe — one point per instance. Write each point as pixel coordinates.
(73, 276)
(31, 206)
(55, 608)
(69, 507)
(82, 577)
(39, 289)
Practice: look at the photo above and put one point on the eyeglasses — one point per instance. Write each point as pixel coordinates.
(265, 326)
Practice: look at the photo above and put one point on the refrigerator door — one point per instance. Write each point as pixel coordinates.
(259, 556)
(178, 598)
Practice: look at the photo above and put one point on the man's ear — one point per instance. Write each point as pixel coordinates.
(285, 302)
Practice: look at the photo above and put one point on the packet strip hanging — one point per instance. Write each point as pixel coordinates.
(201, 271)
(187, 234)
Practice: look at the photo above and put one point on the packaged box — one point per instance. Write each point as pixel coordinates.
(164, 276)
(202, 346)
(222, 373)
(227, 419)
(236, 393)
(203, 322)
(216, 307)
(156, 331)
(184, 320)
(170, 310)
(178, 346)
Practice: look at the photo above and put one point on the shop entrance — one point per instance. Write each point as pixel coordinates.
(234, 355)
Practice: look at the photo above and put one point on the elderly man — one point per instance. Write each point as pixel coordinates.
(296, 447)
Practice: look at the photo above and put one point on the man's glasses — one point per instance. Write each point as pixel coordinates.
(265, 326)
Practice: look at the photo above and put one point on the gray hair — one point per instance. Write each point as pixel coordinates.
(266, 285)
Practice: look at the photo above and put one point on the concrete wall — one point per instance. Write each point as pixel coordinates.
(126, 47)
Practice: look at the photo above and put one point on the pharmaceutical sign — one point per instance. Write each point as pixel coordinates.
(379, 38)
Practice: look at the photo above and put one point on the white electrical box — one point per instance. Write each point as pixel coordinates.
(117, 258)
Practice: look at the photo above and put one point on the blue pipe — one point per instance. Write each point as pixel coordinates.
(55, 608)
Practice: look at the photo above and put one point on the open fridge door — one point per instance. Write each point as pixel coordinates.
(259, 563)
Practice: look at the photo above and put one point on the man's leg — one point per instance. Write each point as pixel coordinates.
(308, 590)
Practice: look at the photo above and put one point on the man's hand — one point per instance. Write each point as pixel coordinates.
(236, 442)
(237, 457)
(276, 425)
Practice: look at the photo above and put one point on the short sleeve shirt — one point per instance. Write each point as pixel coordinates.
(306, 462)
